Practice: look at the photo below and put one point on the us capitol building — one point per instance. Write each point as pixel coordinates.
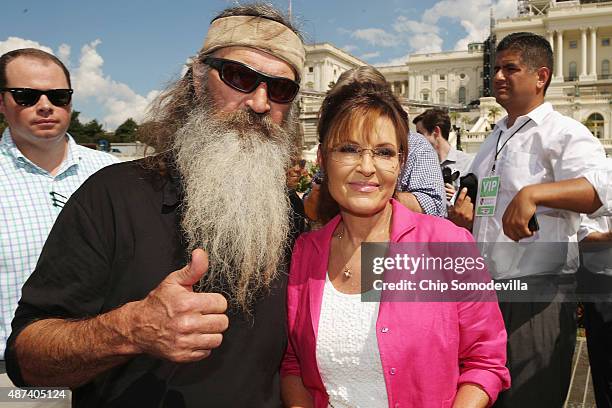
(580, 33)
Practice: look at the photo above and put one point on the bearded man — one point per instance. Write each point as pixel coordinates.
(105, 314)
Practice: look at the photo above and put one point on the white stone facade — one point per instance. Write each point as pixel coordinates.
(446, 78)
(324, 64)
(581, 37)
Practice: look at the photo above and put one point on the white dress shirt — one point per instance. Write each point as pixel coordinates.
(599, 259)
(601, 179)
(30, 200)
(457, 160)
(542, 147)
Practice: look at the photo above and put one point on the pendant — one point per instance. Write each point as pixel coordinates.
(347, 272)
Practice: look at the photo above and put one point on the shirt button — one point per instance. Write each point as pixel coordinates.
(392, 371)
(384, 329)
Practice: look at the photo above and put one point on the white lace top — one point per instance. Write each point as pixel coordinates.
(347, 351)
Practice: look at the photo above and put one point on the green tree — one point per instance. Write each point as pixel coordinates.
(454, 116)
(493, 112)
(126, 132)
(76, 128)
(93, 131)
(3, 124)
(89, 132)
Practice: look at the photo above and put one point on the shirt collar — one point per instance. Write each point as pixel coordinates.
(7, 144)
(451, 157)
(402, 222)
(537, 114)
(73, 157)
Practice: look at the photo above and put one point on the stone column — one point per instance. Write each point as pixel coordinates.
(411, 86)
(317, 77)
(583, 46)
(325, 68)
(403, 89)
(551, 39)
(559, 62)
(593, 72)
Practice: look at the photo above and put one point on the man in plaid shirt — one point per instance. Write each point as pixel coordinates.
(420, 186)
(40, 166)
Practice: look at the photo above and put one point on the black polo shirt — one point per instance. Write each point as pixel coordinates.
(116, 239)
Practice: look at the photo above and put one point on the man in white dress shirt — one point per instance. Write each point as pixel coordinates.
(534, 162)
(601, 179)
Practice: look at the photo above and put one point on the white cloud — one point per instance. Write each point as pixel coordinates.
(119, 101)
(473, 15)
(63, 53)
(376, 36)
(505, 9)
(369, 55)
(403, 24)
(14, 43)
(116, 100)
(424, 35)
(350, 48)
(185, 66)
(394, 61)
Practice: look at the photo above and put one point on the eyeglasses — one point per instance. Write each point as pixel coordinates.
(29, 96)
(245, 79)
(385, 158)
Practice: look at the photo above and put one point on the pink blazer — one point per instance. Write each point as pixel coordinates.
(427, 349)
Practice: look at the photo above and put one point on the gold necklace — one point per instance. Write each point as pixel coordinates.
(346, 270)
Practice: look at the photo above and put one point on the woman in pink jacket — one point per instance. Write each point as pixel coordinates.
(343, 352)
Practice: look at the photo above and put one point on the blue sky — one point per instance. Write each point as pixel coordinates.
(121, 53)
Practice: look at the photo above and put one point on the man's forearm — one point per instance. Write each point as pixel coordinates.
(409, 201)
(599, 237)
(55, 352)
(576, 195)
(171, 322)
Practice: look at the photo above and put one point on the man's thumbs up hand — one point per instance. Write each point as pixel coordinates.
(193, 271)
(175, 323)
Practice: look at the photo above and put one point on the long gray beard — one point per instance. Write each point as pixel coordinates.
(236, 208)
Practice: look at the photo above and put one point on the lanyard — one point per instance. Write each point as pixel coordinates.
(499, 149)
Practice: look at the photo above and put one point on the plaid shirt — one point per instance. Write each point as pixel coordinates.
(30, 201)
(422, 176)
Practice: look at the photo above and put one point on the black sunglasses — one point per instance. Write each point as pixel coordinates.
(245, 79)
(29, 96)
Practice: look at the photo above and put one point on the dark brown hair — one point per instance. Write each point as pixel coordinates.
(432, 118)
(29, 53)
(535, 51)
(357, 102)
